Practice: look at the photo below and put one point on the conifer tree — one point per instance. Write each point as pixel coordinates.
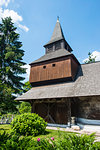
(11, 56)
(11, 63)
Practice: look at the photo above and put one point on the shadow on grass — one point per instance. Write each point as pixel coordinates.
(3, 129)
(46, 132)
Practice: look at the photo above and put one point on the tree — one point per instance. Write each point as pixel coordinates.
(26, 87)
(25, 107)
(91, 59)
(10, 63)
(7, 103)
(11, 56)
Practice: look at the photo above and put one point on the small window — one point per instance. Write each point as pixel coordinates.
(44, 67)
(57, 46)
(50, 47)
(53, 65)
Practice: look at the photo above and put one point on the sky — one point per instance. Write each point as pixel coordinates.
(35, 21)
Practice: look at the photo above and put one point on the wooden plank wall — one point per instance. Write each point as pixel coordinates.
(58, 112)
(74, 68)
(52, 70)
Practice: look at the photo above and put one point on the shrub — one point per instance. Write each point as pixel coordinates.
(24, 107)
(68, 142)
(3, 137)
(28, 124)
(96, 146)
(43, 144)
(77, 142)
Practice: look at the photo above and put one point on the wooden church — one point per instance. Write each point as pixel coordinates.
(61, 87)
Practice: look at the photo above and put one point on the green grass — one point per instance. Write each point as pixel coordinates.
(48, 134)
(53, 133)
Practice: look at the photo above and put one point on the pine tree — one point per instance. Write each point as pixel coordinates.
(11, 56)
(11, 63)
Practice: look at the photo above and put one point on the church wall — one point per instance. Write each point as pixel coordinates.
(58, 111)
(89, 108)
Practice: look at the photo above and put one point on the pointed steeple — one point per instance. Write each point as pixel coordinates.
(57, 40)
(57, 33)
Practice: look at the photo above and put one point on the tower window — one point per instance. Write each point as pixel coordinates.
(53, 65)
(57, 46)
(50, 47)
(44, 67)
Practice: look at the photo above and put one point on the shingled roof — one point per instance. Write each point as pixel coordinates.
(57, 33)
(87, 83)
(56, 37)
(52, 55)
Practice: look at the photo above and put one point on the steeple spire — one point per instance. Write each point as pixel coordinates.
(57, 40)
(57, 33)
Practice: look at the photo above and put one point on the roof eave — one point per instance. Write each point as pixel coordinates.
(53, 41)
(50, 59)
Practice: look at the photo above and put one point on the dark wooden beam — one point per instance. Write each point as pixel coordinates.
(48, 113)
(52, 100)
(32, 107)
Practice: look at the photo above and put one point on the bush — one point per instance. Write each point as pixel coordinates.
(77, 142)
(3, 137)
(24, 107)
(28, 124)
(43, 144)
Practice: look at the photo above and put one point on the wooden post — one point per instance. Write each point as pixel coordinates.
(32, 106)
(69, 112)
(48, 113)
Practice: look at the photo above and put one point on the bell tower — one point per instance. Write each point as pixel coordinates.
(58, 64)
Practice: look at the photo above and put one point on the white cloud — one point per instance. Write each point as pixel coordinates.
(4, 2)
(10, 13)
(95, 55)
(23, 27)
(27, 70)
(16, 18)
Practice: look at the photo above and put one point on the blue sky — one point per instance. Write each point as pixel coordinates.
(35, 19)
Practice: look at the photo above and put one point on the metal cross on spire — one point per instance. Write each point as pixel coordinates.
(57, 18)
